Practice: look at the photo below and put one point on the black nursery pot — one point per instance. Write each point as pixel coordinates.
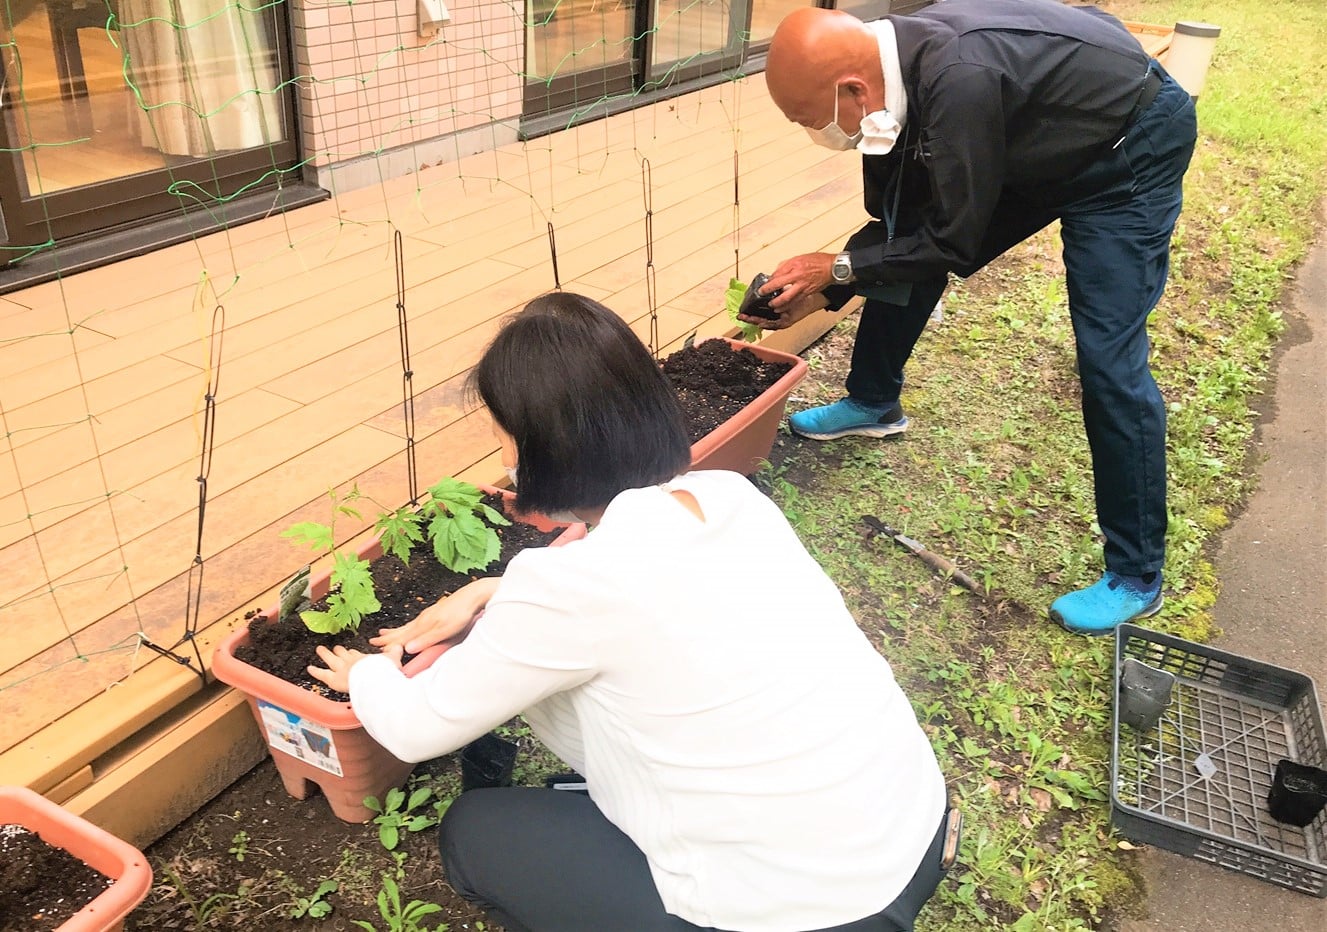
(487, 762)
(1298, 794)
(1144, 694)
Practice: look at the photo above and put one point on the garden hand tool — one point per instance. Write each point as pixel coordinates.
(931, 559)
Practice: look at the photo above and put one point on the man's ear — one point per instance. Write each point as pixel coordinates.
(856, 87)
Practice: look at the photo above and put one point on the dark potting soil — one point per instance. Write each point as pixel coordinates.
(713, 382)
(41, 886)
(285, 648)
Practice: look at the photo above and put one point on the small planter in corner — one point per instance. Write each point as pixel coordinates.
(114, 859)
(742, 441)
(316, 740)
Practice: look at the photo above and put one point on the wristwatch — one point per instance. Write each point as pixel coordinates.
(841, 270)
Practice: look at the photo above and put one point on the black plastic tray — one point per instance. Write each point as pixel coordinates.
(1197, 783)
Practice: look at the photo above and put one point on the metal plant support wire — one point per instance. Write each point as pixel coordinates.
(737, 217)
(193, 600)
(407, 374)
(651, 290)
(553, 252)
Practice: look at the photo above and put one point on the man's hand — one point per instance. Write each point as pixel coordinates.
(338, 662)
(790, 313)
(800, 276)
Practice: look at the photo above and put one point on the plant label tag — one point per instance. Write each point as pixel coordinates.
(1206, 769)
(311, 742)
(295, 592)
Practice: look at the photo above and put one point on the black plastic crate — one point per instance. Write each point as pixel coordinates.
(1197, 783)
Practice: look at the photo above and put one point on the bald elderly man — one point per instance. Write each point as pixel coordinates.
(980, 122)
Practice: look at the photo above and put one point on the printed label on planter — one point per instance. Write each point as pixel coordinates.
(310, 741)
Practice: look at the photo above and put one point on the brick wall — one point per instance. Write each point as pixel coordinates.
(378, 100)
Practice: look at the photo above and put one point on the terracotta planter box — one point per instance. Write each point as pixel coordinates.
(95, 847)
(743, 441)
(315, 740)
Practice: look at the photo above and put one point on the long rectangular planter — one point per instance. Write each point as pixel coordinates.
(319, 742)
(98, 849)
(745, 440)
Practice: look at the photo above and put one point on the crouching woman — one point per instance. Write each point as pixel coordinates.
(751, 763)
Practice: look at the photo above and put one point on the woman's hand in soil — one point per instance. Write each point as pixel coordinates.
(446, 619)
(338, 662)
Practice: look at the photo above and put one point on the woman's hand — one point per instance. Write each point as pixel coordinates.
(449, 617)
(338, 662)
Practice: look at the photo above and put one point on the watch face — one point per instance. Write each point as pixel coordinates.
(841, 269)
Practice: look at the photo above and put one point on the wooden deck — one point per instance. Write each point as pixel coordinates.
(102, 378)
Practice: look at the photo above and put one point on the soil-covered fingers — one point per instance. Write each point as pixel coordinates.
(335, 671)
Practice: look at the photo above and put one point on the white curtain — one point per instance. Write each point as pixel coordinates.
(205, 71)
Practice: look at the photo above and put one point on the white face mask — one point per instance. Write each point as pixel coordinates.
(557, 517)
(833, 136)
(878, 134)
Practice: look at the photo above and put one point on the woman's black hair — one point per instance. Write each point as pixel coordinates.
(590, 410)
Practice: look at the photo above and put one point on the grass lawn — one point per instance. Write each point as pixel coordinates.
(995, 473)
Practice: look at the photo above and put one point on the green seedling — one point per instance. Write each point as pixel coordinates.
(732, 300)
(454, 518)
(461, 539)
(239, 845)
(351, 596)
(459, 526)
(315, 906)
(400, 918)
(396, 812)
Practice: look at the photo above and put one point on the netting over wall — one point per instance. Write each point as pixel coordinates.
(171, 413)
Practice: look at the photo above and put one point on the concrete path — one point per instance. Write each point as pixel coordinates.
(1272, 607)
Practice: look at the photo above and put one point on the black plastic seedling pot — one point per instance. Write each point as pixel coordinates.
(487, 762)
(1298, 794)
(1144, 694)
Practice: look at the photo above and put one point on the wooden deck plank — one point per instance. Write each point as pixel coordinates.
(30, 404)
(136, 439)
(24, 354)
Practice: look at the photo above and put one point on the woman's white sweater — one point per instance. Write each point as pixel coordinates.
(708, 681)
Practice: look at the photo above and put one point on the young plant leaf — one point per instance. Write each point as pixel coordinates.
(354, 597)
(399, 531)
(732, 299)
(463, 542)
(493, 516)
(310, 533)
(455, 495)
(321, 622)
(417, 798)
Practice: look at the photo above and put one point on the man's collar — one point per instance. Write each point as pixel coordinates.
(896, 96)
